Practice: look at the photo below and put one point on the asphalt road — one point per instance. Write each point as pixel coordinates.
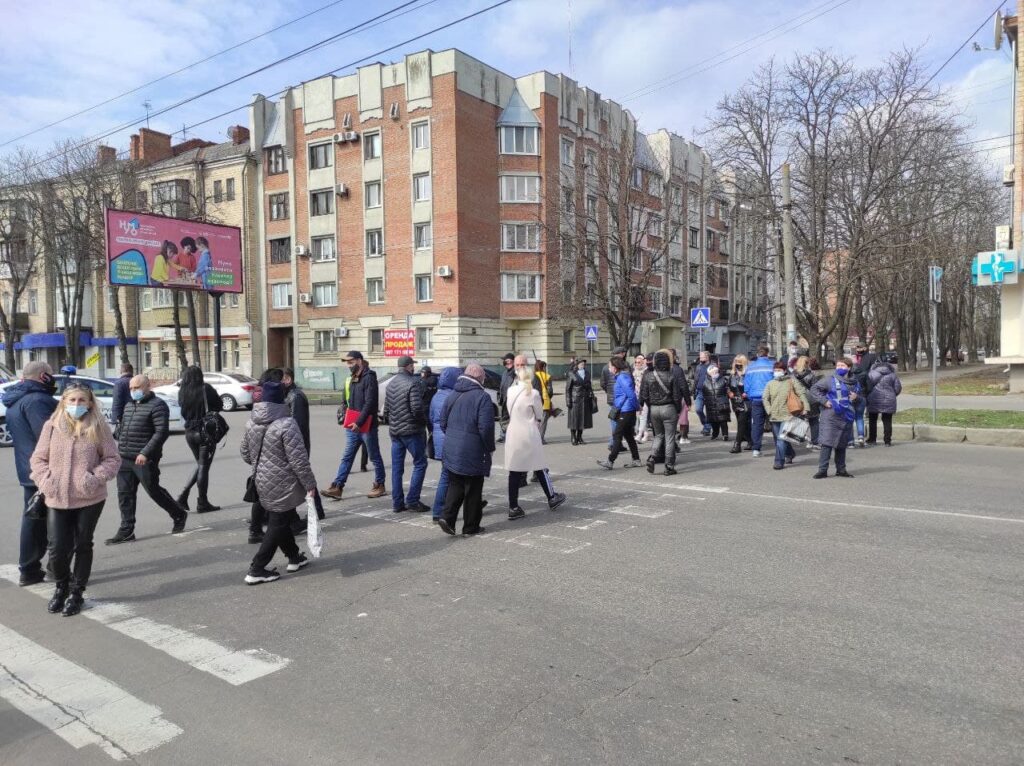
(729, 614)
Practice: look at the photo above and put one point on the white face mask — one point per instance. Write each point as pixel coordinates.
(713, 372)
(779, 374)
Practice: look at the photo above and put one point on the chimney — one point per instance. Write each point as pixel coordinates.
(105, 155)
(153, 146)
(238, 134)
(135, 153)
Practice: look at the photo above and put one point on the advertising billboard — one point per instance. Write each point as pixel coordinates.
(399, 342)
(146, 250)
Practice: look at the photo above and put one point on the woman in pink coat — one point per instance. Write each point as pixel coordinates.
(75, 457)
(524, 448)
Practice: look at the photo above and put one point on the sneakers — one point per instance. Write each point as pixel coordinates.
(418, 508)
(121, 537)
(377, 490)
(257, 576)
(556, 500)
(31, 578)
(685, 441)
(756, 453)
(179, 524)
(670, 471)
(297, 564)
(606, 464)
(334, 492)
(515, 513)
(634, 464)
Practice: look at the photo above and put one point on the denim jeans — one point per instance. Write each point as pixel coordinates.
(416, 445)
(437, 511)
(698, 403)
(859, 406)
(33, 539)
(756, 423)
(783, 448)
(355, 441)
(71, 530)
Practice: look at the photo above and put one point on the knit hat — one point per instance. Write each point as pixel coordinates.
(273, 393)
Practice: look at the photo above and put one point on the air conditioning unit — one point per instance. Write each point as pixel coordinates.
(339, 138)
(394, 110)
(305, 298)
(1008, 172)
(351, 135)
(341, 190)
(340, 332)
(300, 250)
(444, 271)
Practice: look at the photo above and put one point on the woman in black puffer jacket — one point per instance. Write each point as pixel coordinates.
(805, 372)
(716, 401)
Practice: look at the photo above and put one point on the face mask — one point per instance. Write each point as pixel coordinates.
(792, 351)
(77, 411)
(713, 372)
(137, 396)
(779, 374)
(841, 371)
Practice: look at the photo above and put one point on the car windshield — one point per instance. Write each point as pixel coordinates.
(240, 378)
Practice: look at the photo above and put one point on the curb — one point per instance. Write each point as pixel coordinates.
(989, 437)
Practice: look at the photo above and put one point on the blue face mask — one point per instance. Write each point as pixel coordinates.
(841, 372)
(77, 411)
(137, 395)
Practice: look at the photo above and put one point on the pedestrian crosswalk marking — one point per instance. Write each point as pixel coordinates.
(82, 708)
(237, 667)
(644, 511)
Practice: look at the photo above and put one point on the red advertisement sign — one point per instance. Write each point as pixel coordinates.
(399, 342)
(156, 251)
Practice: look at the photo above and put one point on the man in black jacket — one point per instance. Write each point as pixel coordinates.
(121, 393)
(508, 378)
(141, 441)
(298, 406)
(363, 399)
(663, 391)
(407, 418)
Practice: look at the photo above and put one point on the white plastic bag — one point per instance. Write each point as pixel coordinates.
(795, 431)
(314, 530)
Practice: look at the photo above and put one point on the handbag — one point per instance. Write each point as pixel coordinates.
(793, 404)
(613, 413)
(252, 495)
(795, 431)
(593, 404)
(212, 427)
(36, 507)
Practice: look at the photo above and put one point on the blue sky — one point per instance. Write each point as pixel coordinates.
(57, 58)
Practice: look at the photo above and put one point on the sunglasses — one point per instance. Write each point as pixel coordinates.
(78, 386)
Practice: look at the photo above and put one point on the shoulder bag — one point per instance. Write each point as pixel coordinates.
(793, 404)
(36, 508)
(252, 495)
(212, 427)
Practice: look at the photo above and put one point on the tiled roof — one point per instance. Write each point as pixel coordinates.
(225, 151)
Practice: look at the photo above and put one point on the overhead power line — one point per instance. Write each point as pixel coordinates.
(963, 45)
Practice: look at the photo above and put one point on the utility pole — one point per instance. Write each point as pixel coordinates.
(787, 255)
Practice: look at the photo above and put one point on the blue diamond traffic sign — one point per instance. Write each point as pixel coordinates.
(590, 332)
(700, 317)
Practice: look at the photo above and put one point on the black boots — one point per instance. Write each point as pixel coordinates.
(74, 603)
(56, 603)
(70, 605)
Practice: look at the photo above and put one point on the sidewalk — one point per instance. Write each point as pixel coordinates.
(925, 375)
(1013, 402)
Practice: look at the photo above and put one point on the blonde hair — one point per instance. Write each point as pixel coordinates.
(524, 374)
(802, 362)
(92, 426)
(739, 359)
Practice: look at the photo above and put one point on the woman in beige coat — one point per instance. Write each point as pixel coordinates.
(524, 447)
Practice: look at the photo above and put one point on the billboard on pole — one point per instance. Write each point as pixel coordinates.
(145, 250)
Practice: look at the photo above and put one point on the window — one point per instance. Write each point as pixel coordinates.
(163, 299)
(591, 163)
(424, 288)
(614, 255)
(520, 188)
(424, 338)
(421, 135)
(709, 208)
(165, 355)
(637, 179)
(324, 342)
(373, 194)
(229, 190)
(694, 237)
(677, 305)
(694, 273)
(320, 202)
(171, 198)
(229, 300)
(141, 200)
(33, 301)
(654, 226)
(676, 269)
(677, 195)
(323, 249)
(321, 156)
(110, 357)
(218, 191)
(723, 311)
(520, 236)
(275, 160)
(568, 152)
(282, 295)
(568, 343)
(325, 294)
(518, 140)
(592, 205)
(147, 300)
(278, 206)
(376, 341)
(568, 290)
(230, 354)
(147, 354)
(567, 199)
(520, 287)
(371, 146)
(657, 261)
(655, 301)
(421, 187)
(281, 250)
(423, 236)
(374, 243)
(709, 239)
(374, 290)
(654, 185)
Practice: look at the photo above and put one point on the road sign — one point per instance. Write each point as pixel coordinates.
(935, 283)
(590, 332)
(998, 267)
(700, 317)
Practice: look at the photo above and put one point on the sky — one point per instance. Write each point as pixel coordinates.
(667, 62)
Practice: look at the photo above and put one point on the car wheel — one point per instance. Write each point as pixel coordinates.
(5, 435)
(228, 402)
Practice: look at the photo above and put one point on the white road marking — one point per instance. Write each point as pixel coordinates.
(79, 706)
(651, 483)
(641, 510)
(188, 532)
(584, 524)
(545, 542)
(235, 666)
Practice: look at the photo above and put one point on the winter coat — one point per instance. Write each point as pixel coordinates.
(862, 369)
(282, 470)
(808, 378)
(468, 424)
(776, 398)
(608, 384)
(758, 375)
(70, 471)
(193, 416)
(833, 429)
(122, 395)
(298, 407)
(716, 399)
(403, 405)
(364, 396)
(737, 392)
(524, 450)
(430, 384)
(29, 405)
(668, 391)
(679, 375)
(578, 392)
(542, 385)
(445, 386)
(143, 428)
(700, 374)
(508, 379)
(883, 387)
(624, 395)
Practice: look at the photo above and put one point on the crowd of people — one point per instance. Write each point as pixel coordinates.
(66, 452)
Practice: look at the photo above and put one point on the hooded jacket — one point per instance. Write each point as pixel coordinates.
(144, 428)
(29, 405)
(668, 391)
(445, 387)
(468, 424)
(281, 466)
(883, 387)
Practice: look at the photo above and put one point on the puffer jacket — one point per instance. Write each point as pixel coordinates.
(716, 398)
(143, 428)
(608, 384)
(468, 424)
(624, 394)
(72, 472)
(445, 386)
(282, 470)
(29, 405)
(403, 405)
(668, 391)
(883, 387)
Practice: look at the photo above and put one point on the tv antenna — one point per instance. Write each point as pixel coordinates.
(147, 106)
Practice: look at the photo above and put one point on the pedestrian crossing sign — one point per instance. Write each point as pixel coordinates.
(590, 332)
(700, 317)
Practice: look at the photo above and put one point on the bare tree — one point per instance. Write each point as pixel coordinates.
(18, 257)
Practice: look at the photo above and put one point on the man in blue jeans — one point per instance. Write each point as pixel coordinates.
(406, 413)
(361, 428)
(759, 374)
(700, 374)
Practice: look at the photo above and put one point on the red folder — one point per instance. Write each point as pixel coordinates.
(351, 416)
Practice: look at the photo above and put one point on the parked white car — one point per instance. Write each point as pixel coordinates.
(103, 390)
(235, 390)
